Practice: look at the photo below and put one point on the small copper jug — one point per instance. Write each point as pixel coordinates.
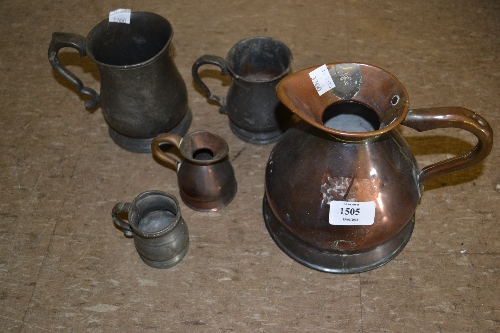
(205, 175)
(342, 185)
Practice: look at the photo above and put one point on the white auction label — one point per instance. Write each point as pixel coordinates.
(120, 16)
(322, 80)
(352, 213)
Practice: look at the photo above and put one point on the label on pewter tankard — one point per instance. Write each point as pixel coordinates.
(352, 213)
(120, 16)
(322, 80)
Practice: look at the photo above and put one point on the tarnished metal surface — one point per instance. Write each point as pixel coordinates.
(142, 92)
(205, 175)
(255, 65)
(347, 79)
(154, 220)
(315, 163)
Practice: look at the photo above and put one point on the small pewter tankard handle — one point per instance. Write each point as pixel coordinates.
(122, 208)
(210, 60)
(75, 41)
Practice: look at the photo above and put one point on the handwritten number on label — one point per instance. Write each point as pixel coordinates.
(322, 80)
(316, 83)
(120, 16)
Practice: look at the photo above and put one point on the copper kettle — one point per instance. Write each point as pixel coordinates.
(342, 185)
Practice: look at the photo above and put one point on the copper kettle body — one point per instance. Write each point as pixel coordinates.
(347, 151)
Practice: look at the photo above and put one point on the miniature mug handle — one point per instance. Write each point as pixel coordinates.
(59, 41)
(211, 60)
(446, 117)
(122, 208)
(167, 159)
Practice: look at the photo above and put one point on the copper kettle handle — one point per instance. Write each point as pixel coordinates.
(167, 159)
(456, 117)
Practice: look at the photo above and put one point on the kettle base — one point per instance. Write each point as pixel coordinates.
(137, 145)
(334, 262)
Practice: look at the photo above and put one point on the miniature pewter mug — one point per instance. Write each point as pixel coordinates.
(255, 65)
(154, 220)
(205, 175)
(142, 92)
(342, 185)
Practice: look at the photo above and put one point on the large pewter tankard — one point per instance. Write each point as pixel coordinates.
(142, 92)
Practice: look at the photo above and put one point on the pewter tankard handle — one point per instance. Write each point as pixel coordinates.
(75, 41)
(122, 208)
(160, 154)
(456, 117)
(210, 60)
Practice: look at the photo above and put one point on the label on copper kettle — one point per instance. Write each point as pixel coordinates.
(322, 80)
(120, 16)
(352, 213)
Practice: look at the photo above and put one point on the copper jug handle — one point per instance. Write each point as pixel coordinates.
(444, 117)
(75, 41)
(165, 158)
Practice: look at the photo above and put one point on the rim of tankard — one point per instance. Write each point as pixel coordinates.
(140, 64)
(171, 226)
(278, 77)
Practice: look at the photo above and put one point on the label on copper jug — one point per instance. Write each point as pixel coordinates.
(120, 16)
(322, 80)
(352, 213)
